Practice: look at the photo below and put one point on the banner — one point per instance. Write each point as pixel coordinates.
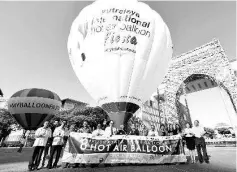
(84, 148)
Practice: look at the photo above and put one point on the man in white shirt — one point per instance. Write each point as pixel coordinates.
(198, 132)
(42, 134)
(110, 130)
(48, 147)
(153, 132)
(98, 131)
(57, 144)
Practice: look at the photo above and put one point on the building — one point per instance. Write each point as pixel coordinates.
(71, 105)
(3, 103)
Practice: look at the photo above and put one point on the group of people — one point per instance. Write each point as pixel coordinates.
(107, 129)
(50, 140)
(194, 138)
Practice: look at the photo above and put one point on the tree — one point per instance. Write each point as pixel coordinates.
(6, 118)
(93, 115)
(224, 130)
(209, 132)
(222, 125)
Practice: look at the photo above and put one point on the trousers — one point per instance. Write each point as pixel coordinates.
(36, 156)
(56, 149)
(46, 151)
(200, 144)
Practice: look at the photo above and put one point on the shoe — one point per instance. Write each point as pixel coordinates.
(34, 168)
(29, 168)
(42, 167)
(201, 162)
(207, 162)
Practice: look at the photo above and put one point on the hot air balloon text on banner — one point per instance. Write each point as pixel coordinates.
(31, 107)
(120, 52)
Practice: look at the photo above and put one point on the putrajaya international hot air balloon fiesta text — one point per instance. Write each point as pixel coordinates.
(129, 17)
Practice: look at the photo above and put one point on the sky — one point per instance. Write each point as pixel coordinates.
(33, 38)
(211, 106)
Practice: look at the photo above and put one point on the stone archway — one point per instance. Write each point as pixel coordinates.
(194, 83)
(210, 60)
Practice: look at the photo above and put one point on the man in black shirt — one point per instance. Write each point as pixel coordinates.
(104, 125)
(121, 130)
(134, 131)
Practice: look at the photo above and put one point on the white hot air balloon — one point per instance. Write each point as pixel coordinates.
(119, 50)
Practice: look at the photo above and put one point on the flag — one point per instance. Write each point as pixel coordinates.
(1, 93)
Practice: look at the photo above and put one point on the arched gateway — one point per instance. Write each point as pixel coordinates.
(208, 62)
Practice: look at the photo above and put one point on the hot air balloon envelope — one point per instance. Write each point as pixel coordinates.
(119, 50)
(31, 107)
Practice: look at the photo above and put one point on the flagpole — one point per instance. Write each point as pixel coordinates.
(186, 99)
(158, 103)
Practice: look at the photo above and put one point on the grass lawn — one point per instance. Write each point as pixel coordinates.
(10, 155)
(12, 161)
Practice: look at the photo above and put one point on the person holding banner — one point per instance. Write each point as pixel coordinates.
(57, 145)
(144, 131)
(200, 142)
(98, 131)
(72, 128)
(153, 132)
(162, 131)
(86, 128)
(121, 130)
(133, 131)
(42, 134)
(170, 130)
(104, 125)
(174, 129)
(110, 130)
